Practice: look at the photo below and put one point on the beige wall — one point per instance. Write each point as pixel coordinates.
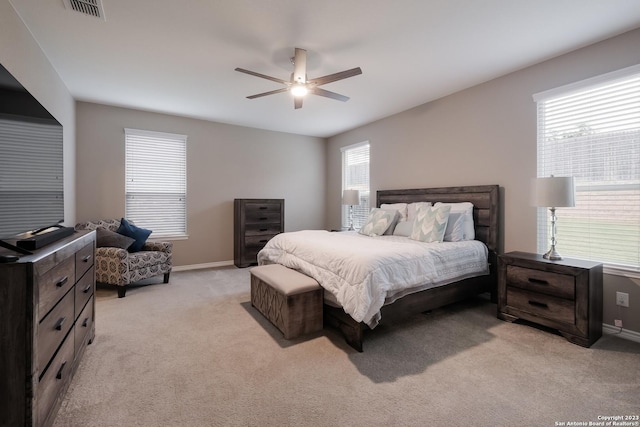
(23, 58)
(485, 135)
(223, 162)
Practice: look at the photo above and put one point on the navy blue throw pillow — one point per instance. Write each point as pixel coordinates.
(139, 234)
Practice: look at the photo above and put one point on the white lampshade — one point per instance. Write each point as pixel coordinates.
(554, 192)
(351, 197)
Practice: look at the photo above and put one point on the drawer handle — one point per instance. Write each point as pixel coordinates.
(60, 283)
(263, 219)
(538, 281)
(59, 374)
(85, 322)
(61, 321)
(264, 241)
(87, 258)
(87, 289)
(263, 229)
(262, 208)
(538, 304)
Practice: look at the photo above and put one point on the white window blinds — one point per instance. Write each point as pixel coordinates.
(355, 176)
(591, 131)
(156, 181)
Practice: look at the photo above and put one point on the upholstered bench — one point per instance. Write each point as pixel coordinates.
(289, 299)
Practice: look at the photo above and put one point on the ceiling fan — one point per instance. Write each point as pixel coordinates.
(299, 86)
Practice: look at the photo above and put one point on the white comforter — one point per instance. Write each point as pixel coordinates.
(361, 271)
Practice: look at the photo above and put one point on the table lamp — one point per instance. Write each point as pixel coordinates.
(554, 192)
(351, 198)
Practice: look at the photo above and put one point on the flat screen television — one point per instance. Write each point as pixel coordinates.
(31, 163)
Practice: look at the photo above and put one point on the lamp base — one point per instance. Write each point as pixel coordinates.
(552, 255)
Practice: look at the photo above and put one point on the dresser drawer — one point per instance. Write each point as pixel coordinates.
(254, 208)
(549, 283)
(262, 229)
(257, 241)
(84, 260)
(53, 284)
(53, 328)
(84, 325)
(552, 308)
(262, 217)
(84, 290)
(54, 378)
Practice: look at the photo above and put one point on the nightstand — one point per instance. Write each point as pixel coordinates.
(565, 295)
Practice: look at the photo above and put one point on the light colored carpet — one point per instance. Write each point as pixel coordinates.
(195, 353)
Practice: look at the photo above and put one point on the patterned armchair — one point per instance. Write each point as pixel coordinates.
(116, 266)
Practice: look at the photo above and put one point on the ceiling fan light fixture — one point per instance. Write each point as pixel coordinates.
(298, 84)
(299, 90)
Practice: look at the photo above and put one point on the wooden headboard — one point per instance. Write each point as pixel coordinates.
(485, 199)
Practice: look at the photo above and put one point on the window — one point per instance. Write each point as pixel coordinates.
(156, 181)
(355, 176)
(591, 131)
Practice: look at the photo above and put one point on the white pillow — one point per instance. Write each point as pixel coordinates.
(459, 230)
(430, 224)
(400, 207)
(378, 222)
(412, 209)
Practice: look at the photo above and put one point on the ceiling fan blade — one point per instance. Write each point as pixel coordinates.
(300, 66)
(328, 94)
(335, 77)
(297, 102)
(253, 73)
(272, 92)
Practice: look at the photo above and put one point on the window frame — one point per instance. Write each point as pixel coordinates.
(167, 165)
(361, 212)
(583, 88)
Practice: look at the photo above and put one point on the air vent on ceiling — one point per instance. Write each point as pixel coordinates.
(88, 7)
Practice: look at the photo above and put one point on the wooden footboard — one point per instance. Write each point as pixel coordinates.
(419, 302)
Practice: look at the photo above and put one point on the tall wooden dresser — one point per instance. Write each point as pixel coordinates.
(46, 320)
(255, 222)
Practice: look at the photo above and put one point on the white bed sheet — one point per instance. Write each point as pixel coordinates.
(362, 271)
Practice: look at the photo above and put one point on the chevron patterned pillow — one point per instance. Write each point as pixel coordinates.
(378, 222)
(430, 224)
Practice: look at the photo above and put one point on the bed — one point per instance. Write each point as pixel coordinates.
(370, 280)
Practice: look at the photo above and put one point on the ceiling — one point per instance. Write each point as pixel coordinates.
(179, 57)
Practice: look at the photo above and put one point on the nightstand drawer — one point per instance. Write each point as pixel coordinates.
(552, 308)
(555, 284)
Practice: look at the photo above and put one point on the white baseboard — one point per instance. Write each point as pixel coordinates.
(201, 266)
(621, 332)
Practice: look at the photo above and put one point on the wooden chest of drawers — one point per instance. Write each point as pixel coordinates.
(565, 295)
(255, 222)
(46, 320)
